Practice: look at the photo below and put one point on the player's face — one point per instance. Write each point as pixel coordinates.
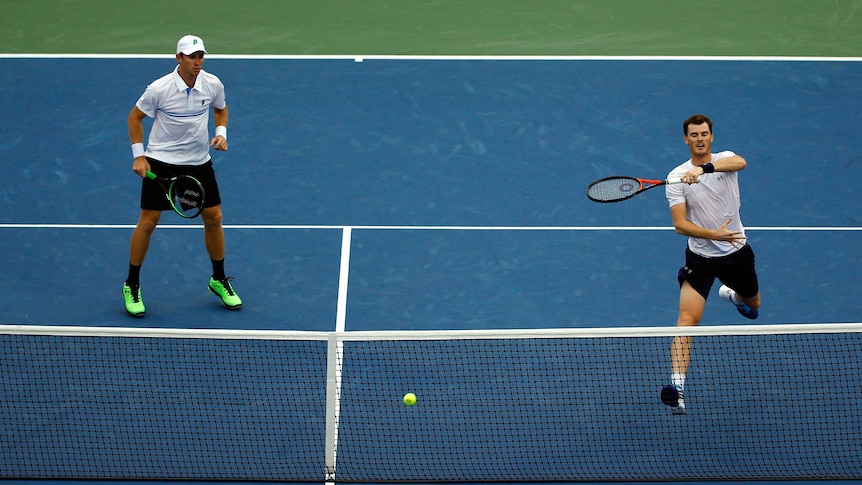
(699, 139)
(191, 64)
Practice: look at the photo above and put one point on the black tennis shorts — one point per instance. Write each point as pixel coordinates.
(153, 197)
(734, 270)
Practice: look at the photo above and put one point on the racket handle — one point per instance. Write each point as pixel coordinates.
(678, 180)
(151, 175)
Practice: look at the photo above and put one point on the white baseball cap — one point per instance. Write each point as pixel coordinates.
(189, 44)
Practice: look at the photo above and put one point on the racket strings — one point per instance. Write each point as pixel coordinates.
(613, 189)
(188, 195)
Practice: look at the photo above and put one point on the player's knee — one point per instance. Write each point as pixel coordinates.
(690, 312)
(687, 319)
(148, 221)
(212, 216)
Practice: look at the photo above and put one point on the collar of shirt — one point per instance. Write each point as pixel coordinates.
(181, 85)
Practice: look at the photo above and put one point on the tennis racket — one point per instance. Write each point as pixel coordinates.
(620, 188)
(185, 193)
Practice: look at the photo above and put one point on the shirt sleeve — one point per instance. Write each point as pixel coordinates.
(724, 154)
(147, 103)
(219, 101)
(675, 193)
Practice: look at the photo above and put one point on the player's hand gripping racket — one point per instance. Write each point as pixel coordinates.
(620, 188)
(185, 194)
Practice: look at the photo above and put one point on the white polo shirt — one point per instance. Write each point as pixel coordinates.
(709, 204)
(180, 134)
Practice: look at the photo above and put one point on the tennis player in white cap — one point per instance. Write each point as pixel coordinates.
(179, 144)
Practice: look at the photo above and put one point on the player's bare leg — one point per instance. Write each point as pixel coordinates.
(138, 247)
(219, 284)
(691, 306)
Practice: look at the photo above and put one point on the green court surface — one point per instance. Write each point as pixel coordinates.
(810, 28)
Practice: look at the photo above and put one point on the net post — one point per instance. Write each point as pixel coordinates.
(331, 405)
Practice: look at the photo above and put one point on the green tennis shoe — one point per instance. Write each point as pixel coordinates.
(223, 289)
(134, 302)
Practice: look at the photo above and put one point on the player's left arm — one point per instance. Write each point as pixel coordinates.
(219, 141)
(733, 163)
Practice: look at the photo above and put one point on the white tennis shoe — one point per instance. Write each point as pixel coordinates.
(680, 405)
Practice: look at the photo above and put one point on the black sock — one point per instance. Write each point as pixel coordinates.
(134, 275)
(218, 269)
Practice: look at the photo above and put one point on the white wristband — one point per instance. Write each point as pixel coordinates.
(137, 150)
(221, 131)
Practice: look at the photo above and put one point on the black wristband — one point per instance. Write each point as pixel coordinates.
(708, 167)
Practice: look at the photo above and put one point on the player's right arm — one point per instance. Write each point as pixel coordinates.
(687, 228)
(136, 135)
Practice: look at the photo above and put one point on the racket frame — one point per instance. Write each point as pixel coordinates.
(168, 190)
(643, 186)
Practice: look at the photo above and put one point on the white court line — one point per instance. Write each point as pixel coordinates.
(362, 57)
(419, 228)
(335, 358)
(344, 273)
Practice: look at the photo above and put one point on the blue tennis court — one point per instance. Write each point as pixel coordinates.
(406, 145)
(461, 182)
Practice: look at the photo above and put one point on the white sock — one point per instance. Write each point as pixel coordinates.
(678, 380)
(734, 299)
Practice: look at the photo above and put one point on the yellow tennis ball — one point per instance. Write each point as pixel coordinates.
(410, 399)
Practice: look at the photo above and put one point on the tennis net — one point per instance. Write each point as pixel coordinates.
(763, 402)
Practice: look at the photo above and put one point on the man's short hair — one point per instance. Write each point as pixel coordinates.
(696, 120)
